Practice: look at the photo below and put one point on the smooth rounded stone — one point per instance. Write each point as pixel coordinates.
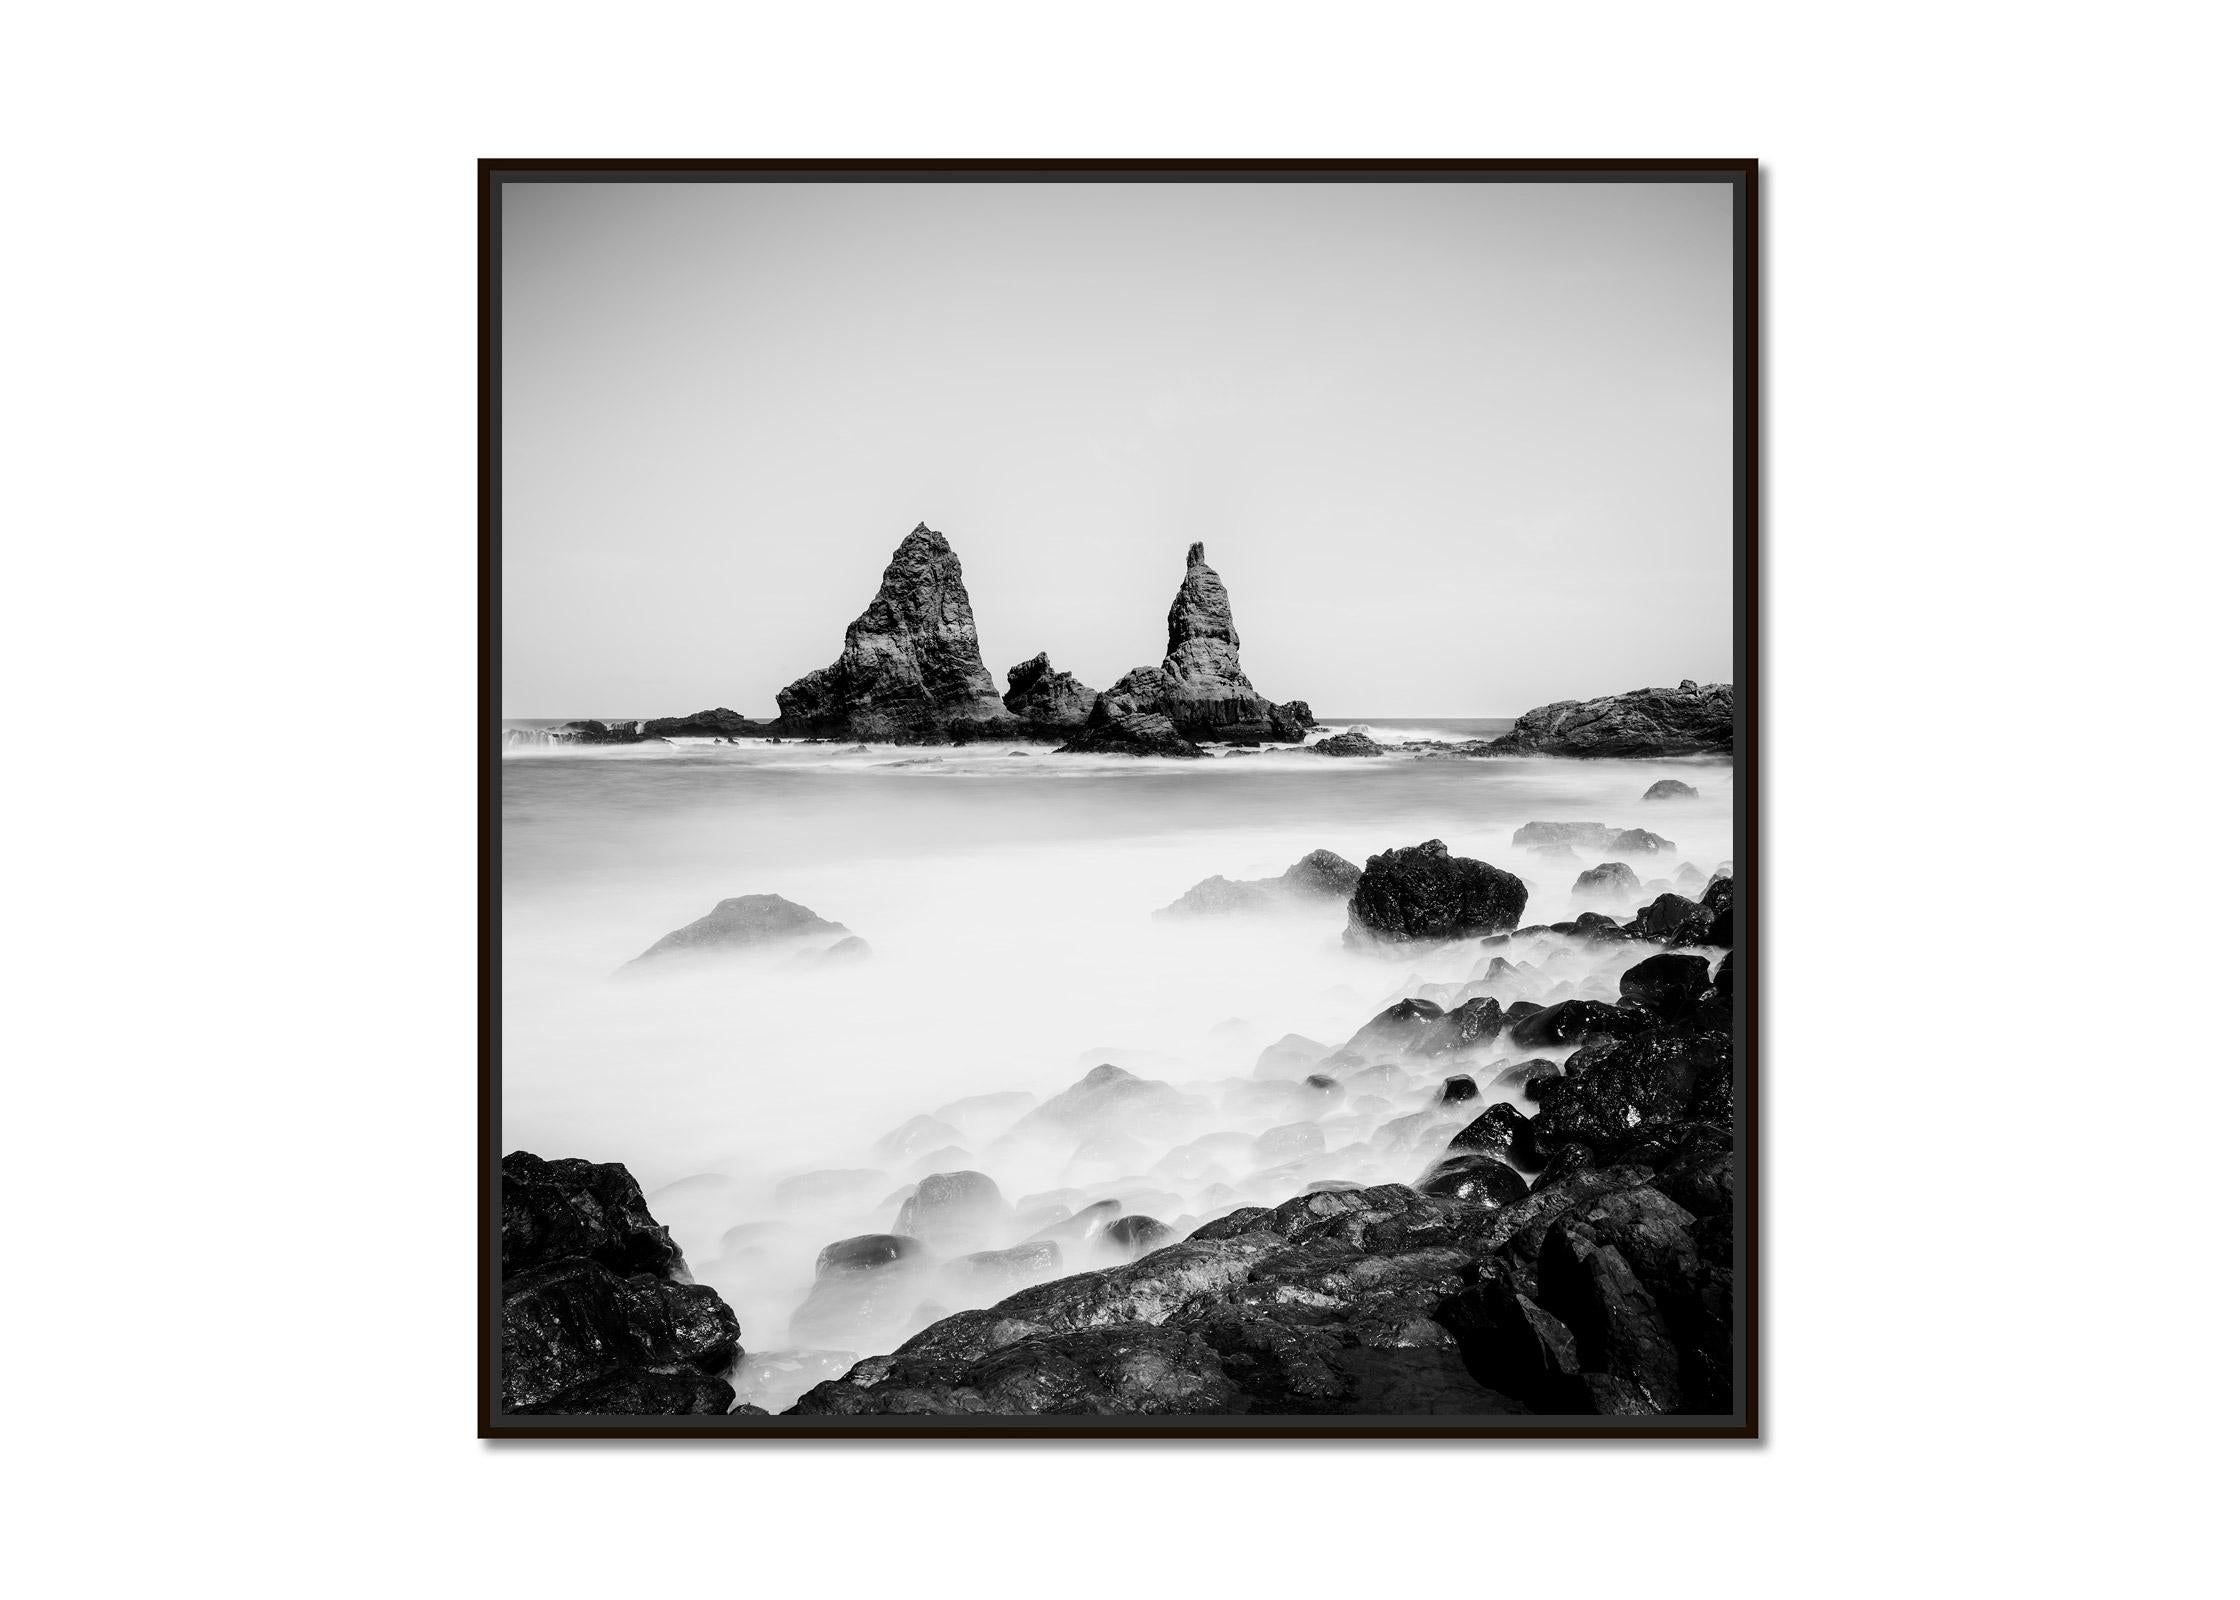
(1033, 1220)
(1405, 1133)
(1571, 1021)
(1641, 842)
(1724, 869)
(1479, 1179)
(915, 1137)
(1135, 1236)
(1669, 789)
(989, 1275)
(953, 1212)
(1525, 1077)
(1394, 1030)
(870, 1252)
(1288, 1143)
(1326, 1089)
(1689, 879)
(744, 923)
(948, 1158)
(1425, 893)
(1667, 984)
(1610, 880)
(1289, 1057)
(835, 1186)
(1457, 1090)
(1083, 1223)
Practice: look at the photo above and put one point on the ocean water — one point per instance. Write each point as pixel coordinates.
(1008, 897)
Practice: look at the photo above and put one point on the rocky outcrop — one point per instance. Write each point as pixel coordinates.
(748, 922)
(910, 668)
(587, 731)
(595, 1314)
(1693, 719)
(720, 723)
(1353, 742)
(1316, 876)
(1669, 789)
(1424, 893)
(1201, 685)
(1110, 732)
(1046, 700)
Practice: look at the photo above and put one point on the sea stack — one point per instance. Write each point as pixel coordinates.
(1201, 685)
(910, 668)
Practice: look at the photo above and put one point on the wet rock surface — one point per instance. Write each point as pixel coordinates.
(592, 1318)
(1426, 893)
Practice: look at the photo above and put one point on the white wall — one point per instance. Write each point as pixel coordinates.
(240, 413)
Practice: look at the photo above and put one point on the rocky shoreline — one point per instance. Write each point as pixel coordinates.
(1550, 1229)
(910, 672)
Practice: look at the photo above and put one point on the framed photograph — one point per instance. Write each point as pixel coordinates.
(1119, 798)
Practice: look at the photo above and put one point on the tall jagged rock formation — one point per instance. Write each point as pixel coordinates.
(1201, 684)
(910, 668)
(1045, 699)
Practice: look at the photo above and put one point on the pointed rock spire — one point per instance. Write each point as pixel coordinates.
(910, 665)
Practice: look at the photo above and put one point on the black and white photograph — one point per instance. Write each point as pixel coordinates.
(1119, 798)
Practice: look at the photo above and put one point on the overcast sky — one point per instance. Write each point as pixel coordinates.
(1456, 449)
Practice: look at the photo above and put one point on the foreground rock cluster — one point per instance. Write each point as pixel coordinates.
(598, 1314)
(1576, 1258)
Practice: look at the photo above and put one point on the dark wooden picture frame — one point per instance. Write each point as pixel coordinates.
(492, 1422)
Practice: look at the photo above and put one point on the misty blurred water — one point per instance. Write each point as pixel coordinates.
(1007, 894)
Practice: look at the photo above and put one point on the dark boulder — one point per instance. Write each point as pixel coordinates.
(909, 667)
(1133, 733)
(645, 1393)
(1611, 878)
(1621, 1334)
(1669, 985)
(553, 1210)
(590, 731)
(1457, 1090)
(1572, 1020)
(1424, 893)
(1500, 1130)
(1528, 1077)
(720, 723)
(1643, 724)
(1669, 789)
(1474, 1022)
(1135, 1236)
(1396, 1029)
(1353, 742)
(1663, 917)
(572, 1324)
(1711, 923)
(1045, 699)
(953, 1212)
(747, 922)
(1612, 1097)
